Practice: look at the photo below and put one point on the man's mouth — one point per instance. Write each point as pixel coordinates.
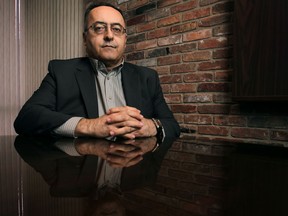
(109, 46)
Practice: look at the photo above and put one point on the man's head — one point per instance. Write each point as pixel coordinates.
(105, 33)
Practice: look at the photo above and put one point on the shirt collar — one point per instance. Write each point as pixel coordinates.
(100, 67)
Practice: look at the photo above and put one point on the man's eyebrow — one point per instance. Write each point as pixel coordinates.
(104, 23)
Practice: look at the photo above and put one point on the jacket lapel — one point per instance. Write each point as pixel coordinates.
(131, 86)
(86, 81)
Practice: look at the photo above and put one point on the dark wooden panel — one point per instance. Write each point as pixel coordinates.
(260, 50)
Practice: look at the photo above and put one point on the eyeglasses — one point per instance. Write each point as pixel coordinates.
(100, 27)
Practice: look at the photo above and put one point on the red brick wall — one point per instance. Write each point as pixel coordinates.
(190, 44)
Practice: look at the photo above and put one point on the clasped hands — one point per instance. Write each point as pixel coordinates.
(126, 122)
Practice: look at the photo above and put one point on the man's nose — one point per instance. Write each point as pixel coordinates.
(108, 34)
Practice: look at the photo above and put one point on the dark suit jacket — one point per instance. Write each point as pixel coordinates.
(69, 90)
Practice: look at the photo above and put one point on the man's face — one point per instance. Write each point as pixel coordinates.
(106, 46)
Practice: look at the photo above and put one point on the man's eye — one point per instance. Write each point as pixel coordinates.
(116, 29)
(98, 28)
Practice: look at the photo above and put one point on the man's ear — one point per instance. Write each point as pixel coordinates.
(84, 35)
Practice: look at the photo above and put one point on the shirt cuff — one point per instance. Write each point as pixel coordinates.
(68, 128)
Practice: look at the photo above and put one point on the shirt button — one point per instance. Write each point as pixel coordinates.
(108, 78)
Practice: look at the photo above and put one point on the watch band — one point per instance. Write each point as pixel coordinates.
(159, 129)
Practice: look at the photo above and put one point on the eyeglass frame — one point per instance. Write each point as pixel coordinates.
(92, 26)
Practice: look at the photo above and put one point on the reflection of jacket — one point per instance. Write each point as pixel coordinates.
(69, 90)
(75, 176)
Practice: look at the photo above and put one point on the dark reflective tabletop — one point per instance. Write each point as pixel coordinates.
(62, 176)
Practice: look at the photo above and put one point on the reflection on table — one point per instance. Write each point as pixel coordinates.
(49, 176)
(98, 169)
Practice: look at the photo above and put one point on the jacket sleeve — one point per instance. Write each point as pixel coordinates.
(162, 111)
(39, 114)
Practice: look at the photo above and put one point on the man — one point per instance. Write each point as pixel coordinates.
(99, 95)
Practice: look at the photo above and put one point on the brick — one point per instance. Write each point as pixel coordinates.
(135, 56)
(224, 98)
(136, 3)
(279, 135)
(166, 88)
(208, 2)
(223, 7)
(197, 56)
(193, 208)
(184, 7)
(230, 120)
(215, 65)
(196, 188)
(198, 77)
(179, 118)
(223, 53)
(167, 181)
(121, 4)
(130, 48)
(221, 30)
(170, 79)
(163, 12)
(252, 133)
(146, 26)
(223, 76)
(177, 174)
(145, 8)
(198, 119)
(171, 40)
(180, 156)
(158, 33)
(208, 159)
(196, 14)
(182, 48)
(131, 30)
(173, 98)
(136, 38)
(197, 98)
(196, 168)
(213, 109)
(213, 87)
(147, 62)
(209, 180)
(163, 70)
(214, 20)
(213, 43)
(168, 21)
(167, 60)
(165, 3)
(180, 87)
(146, 44)
(213, 130)
(183, 27)
(183, 68)
(192, 36)
(280, 122)
(183, 108)
(136, 20)
(157, 52)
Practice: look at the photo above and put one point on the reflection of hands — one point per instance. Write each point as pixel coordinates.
(122, 153)
(90, 146)
(145, 144)
(116, 153)
(129, 152)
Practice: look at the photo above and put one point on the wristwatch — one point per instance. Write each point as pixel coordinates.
(159, 129)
